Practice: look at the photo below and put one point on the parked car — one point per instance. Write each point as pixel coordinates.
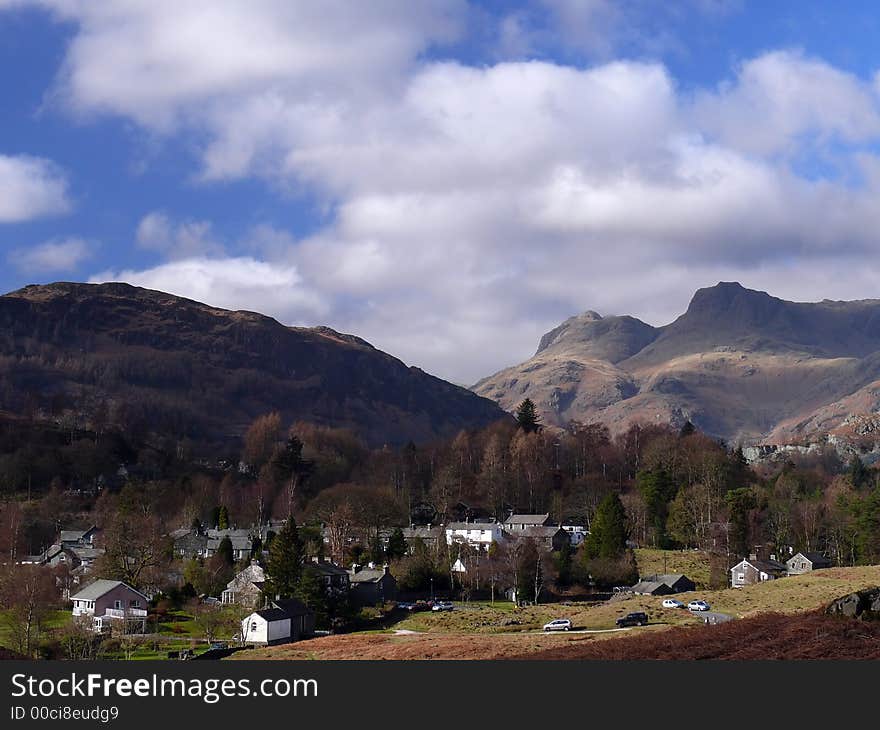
(558, 624)
(219, 645)
(635, 618)
(698, 605)
(672, 603)
(442, 606)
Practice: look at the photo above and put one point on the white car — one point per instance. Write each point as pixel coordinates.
(442, 606)
(672, 603)
(558, 624)
(698, 606)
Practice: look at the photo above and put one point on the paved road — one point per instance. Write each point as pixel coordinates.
(713, 617)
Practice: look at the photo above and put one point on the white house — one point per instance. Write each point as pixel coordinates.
(576, 533)
(751, 571)
(282, 622)
(108, 601)
(479, 535)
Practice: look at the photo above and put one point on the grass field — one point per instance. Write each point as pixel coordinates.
(486, 631)
(693, 563)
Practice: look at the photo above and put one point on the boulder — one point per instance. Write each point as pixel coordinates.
(864, 604)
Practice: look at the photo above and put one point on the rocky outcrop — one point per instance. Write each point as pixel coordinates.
(863, 605)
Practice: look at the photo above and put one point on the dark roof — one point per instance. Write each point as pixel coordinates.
(651, 588)
(366, 575)
(327, 568)
(541, 532)
(284, 608)
(767, 566)
(815, 557)
(669, 579)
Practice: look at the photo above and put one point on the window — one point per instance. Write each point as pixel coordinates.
(134, 603)
(117, 604)
(253, 626)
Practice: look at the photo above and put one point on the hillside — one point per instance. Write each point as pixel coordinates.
(149, 361)
(740, 364)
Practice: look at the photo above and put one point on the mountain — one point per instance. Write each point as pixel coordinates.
(152, 361)
(740, 364)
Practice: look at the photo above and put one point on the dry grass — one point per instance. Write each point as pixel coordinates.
(484, 631)
(693, 563)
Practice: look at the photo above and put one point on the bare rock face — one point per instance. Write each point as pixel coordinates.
(162, 363)
(740, 364)
(863, 605)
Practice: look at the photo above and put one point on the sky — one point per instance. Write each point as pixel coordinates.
(448, 179)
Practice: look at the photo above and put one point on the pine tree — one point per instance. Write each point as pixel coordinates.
(225, 551)
(284, 566)
(527, 416)
(396, 545)
(607, 538)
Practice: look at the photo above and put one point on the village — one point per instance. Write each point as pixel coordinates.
(109, 618)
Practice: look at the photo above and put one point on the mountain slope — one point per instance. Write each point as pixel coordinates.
(157, 362)
(740, 364)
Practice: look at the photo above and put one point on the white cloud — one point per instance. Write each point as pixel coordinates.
(474, 207)
(230, 283)
(176, 240)
(51, 257)
(32, 187)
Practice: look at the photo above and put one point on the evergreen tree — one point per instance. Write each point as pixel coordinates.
(225, 551)
(740, 502)
(396, 545)
(310, 590)
(527, 416)
(284, 566)
(222, 517)
(607, 538)
(858, 473)
(657, 490)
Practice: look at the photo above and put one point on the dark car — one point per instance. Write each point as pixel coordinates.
(636, 618)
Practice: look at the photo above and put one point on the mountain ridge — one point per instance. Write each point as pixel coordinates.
(192, 370)
(739, 363)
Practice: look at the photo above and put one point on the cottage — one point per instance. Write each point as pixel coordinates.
(515, 523)
(429, 535)
(79, 538)
(246, 588)
(109, 601)
(806, 562)
(479, 535)
(576, 533)
(335, 578)
(751, 571)
(651, 588)
(283, 621)
(371, 586)
(546, 537)
(677, 582)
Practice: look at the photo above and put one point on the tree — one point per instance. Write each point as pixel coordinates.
(607, 539)
(210, 620)
(657, 489)
(397, 547)
(284, 566)
(858, 473)
(260, 439)
(225, 551)
(290, 467)
(222, 520)
(26, 592)
(740, 502)
(527, 416)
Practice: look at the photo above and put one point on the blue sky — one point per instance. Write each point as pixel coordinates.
(447, 179)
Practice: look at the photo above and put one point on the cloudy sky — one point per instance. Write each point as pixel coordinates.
(448, 179)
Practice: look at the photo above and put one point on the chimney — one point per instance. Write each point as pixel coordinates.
(753, 556)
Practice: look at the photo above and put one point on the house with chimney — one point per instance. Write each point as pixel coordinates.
(756, 570)
(478, 535)
(517, 522)
(371, 585)
(429, 536)
(246, 588)
(806, 562)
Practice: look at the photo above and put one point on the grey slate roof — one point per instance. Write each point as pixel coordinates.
(284, 608)
(651, 588)
(93, 591)
(527, 519)
(366, 575)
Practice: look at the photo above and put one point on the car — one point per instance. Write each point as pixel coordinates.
(634, 618)
(442, 606)
(406, 606)
(558, 624)
(219, 645)
(698, 605)
(672, 603)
